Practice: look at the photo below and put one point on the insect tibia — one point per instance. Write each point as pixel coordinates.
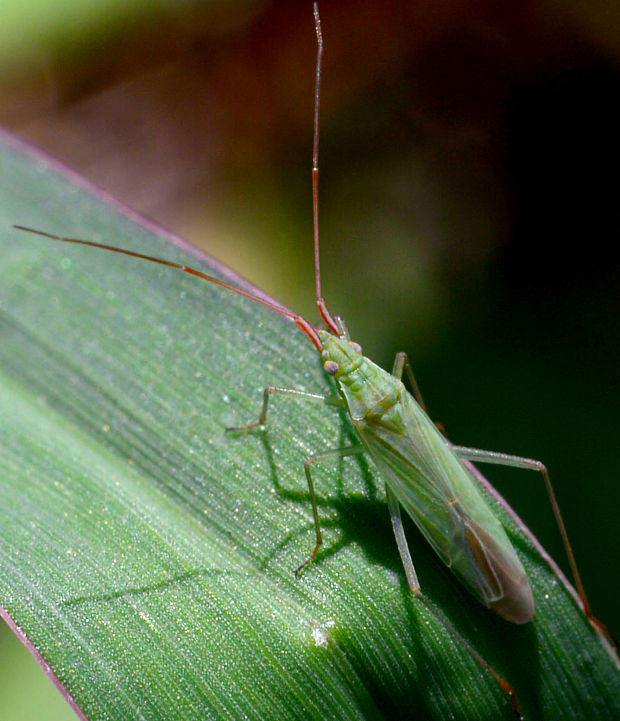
(442, 618)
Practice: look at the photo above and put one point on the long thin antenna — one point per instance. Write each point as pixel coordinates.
(320, 301)
(305, 325)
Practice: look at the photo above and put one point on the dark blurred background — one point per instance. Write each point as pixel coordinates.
(469, 195)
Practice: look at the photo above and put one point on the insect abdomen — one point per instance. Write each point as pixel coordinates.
(442, 498)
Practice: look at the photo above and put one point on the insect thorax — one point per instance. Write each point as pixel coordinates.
(372, 395)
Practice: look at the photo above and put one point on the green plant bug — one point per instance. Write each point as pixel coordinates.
(424, 473)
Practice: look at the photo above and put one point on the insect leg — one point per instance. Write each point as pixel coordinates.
(289, 392)
(401, 542)
(414, 586)
(504, 459)
(401, 362)
(310, 461)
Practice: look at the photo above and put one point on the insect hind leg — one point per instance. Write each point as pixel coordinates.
(477, 455)
(414, 587)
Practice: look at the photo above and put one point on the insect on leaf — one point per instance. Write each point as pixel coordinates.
(149, 558)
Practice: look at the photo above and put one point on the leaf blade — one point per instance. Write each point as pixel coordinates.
(156, 553)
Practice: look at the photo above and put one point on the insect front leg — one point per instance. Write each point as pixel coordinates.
(402, 363)
(504, 459)
(290, 393)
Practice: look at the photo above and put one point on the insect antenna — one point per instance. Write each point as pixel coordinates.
(304, 324)
(330, 321)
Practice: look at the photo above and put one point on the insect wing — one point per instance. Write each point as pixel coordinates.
(440, 495)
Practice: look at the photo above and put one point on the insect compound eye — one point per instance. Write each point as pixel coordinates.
(331, 367)
(356, 346)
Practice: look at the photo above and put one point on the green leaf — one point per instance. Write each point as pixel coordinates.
(148, 557)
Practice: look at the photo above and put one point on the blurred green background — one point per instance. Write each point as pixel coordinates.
(467, 211)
